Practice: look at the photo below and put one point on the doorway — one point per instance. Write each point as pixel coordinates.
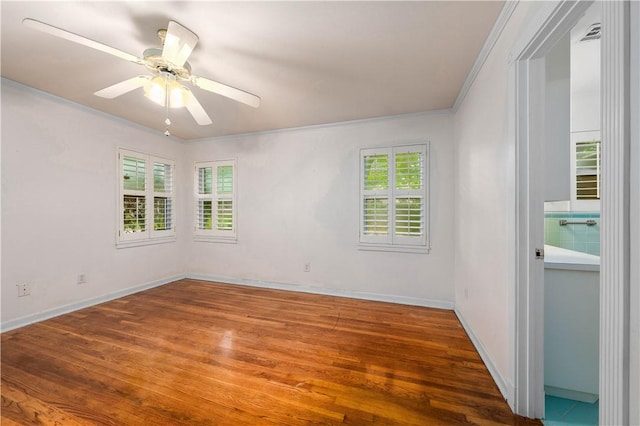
(572, 147)
(553, 22)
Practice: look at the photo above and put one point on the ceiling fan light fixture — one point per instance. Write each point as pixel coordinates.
(156, 91)
(177, 95)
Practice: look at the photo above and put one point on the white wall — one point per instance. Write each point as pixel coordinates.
(484, 206)
(59, 198)
(585, 85)
(557, 148)
(298, 202)
(571, 333)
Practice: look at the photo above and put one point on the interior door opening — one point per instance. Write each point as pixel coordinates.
(571, 277)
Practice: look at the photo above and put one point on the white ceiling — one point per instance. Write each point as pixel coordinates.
(310, 62)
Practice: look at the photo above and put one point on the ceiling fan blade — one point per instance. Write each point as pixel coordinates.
(55, 31)
(196, 110)
(122, 87)
(178, 44)
(227, 91)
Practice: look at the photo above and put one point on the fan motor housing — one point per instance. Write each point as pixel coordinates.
(154, 61)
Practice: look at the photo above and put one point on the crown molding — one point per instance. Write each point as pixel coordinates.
(490, 42)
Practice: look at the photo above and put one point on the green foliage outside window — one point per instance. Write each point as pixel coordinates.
(161, 177)
(225, 179)
(205, 180)
(376, 216)
(161, 213)
(409, 216)
(225, 215)
(205, 215)
(134, 213)
(409, 170)
(133, 174)
(376, 172)
(587, 154)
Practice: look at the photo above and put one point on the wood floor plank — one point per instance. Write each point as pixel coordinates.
(195, 352)
(18, 405)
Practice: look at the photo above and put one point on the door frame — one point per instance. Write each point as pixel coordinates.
(550, 25)
(551, 22)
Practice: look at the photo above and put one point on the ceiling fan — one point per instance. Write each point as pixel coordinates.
(169, 67)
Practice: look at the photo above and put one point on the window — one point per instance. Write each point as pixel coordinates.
(585, 170)
(393, 198)
(215, 204)
(146, 213)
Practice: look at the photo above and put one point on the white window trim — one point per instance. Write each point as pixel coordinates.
(150, 236)
(216, 235)
(391, 242)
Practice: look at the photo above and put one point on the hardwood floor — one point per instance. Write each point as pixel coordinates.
(201, 353)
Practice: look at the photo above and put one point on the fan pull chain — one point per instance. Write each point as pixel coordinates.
(166, 104)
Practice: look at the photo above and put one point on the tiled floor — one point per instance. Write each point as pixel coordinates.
(565, 412)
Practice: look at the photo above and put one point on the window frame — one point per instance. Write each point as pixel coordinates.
(149, 235)
(216, 235)
(392, 241)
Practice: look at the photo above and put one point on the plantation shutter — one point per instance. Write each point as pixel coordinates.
(376, 193)
(133, 181)
(204, 216)
(224, 199)
(163, 220)
(146, 197)
(409, 195)
(393, 202)
(216, 200)
(587, 169)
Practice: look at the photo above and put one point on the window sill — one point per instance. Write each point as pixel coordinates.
(223, 240)
(145, 242)
(394, 248)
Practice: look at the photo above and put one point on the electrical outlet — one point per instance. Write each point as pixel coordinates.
(307, 267)
(23, 290)
(466, 294)
(82, 279)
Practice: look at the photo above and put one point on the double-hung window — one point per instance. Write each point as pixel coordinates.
(146, 195)
(215, 203)
(393, 198)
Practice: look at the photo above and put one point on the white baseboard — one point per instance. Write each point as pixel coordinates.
(413, 301)
(506, 388)
(41, 316)
(51, 313)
